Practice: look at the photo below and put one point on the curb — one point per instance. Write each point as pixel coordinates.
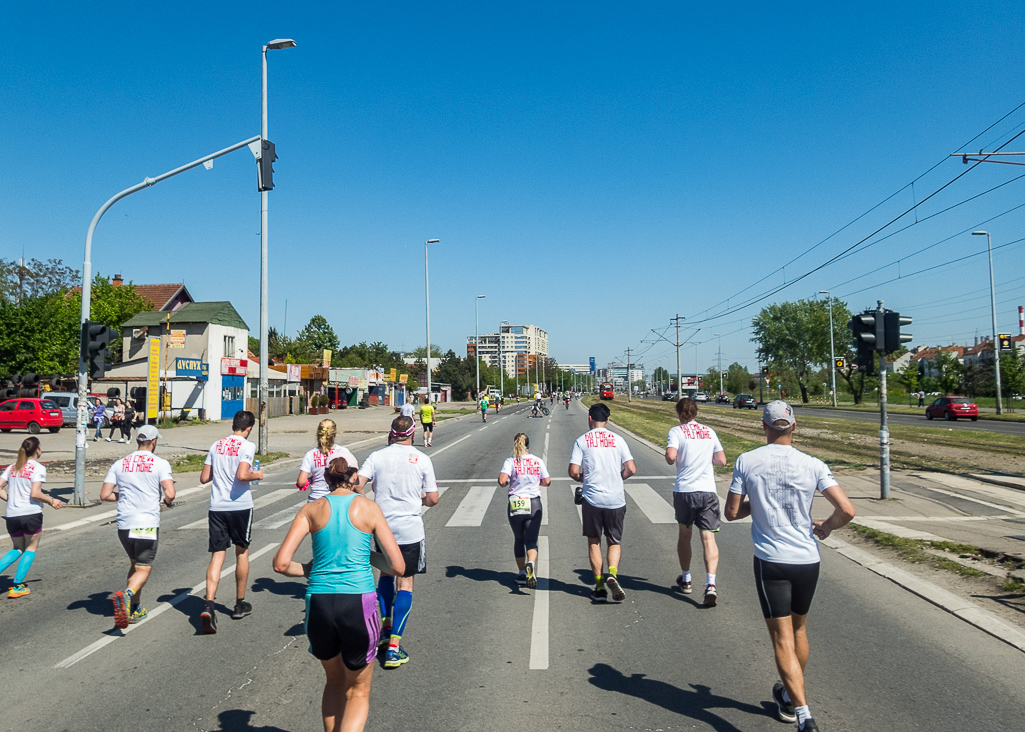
(646, 443)
(971, 613)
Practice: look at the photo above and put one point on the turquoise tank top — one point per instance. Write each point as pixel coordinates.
(341, 555)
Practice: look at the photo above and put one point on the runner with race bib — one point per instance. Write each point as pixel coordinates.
(524, 474)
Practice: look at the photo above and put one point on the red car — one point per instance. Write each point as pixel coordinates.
(949, 408)
(30, 414)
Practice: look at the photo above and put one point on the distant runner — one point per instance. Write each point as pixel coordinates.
(483, 404)
(230, 519)
(780, 483)
(24, 516)
(135, 482)
(601, 461)
(403, 480)
(315, 462)
(406, 410)
(427, 420)
(524, 474)
(694, 448)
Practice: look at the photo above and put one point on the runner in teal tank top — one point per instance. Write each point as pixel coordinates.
(342, 623)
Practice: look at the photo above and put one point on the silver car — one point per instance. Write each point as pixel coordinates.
(68, 403)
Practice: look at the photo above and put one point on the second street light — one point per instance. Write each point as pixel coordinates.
(476, 337)
(427, 292)
(832, 352)
(993, 304)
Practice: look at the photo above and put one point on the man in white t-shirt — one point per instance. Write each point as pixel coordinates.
(407, 410)
(229, 465)
(136, 482)
(601, 461)
(404, 481)
(780, 483)
(694, 448)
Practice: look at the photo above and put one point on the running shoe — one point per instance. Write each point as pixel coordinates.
(138, 613)
(808, 726)
(385, 635)
(531, 578)
(784, 709)
(600, 595)
(521, 578)
(711, 596)
(18, 591)
(120, 610)
(615, 588)
(242, 608)
(208, 620)
(395, 657)
(685, 587)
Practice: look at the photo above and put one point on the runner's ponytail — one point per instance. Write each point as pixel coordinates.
(27, 450)
(326, 432)
(521, 445)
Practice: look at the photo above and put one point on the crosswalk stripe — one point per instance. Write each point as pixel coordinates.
(472, 508)
(652, 505)
(279, 519)
(259, 502)
(441, 492)
(544, 505)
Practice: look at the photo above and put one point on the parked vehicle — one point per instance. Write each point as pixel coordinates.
(67, 402)
(950, 408)
(30, 414)
(701, 396)
(745, 400)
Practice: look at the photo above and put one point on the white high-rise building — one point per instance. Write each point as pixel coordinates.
(517, 346)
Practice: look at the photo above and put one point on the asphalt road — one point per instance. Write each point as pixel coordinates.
(485, 655)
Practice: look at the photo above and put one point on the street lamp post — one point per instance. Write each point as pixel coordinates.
(476, 337)
(274, 45)
(832, 352)
(719, 336)
(427, 292)
(993, 304)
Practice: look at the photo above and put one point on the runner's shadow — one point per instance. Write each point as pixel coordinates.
(98, 603)
(295, 590)
(696, 704)
(191, 607)
(240, 720)
(508, 579)
(640, 584)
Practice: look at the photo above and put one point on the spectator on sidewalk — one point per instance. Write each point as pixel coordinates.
(127, 422)
(98, 413)
(116, 417)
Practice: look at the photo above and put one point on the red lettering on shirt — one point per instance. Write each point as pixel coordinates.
(137, 464)
(600, 439)
(26, 471)
(526, 467)
(228, 446)
(413, 457)
(695, 431)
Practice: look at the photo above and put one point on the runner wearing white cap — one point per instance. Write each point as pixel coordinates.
(780, 482)
(135, 482)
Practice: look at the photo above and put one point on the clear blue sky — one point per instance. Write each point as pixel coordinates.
(631, 160)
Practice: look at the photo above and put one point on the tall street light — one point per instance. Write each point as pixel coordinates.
(832, 353)
(476, 337)
(719, 336)
(993, 304)
(274, 45)
(501, 359)
(427, 291)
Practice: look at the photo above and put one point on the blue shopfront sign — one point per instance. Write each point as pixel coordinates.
(192, 367)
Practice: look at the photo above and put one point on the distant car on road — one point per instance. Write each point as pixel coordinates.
(701, 396)
(669, 396)
(722, 398)
(745, 400)
(950, 408)
(30, 414)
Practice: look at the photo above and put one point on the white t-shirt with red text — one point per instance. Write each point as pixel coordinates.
(525, 475)
(695, 445)
(601, 455)
(401, 474)
(19, 488)
(138, 477)
(228, 493)
(315, 463)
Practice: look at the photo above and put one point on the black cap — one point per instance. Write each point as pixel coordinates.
(599, 412)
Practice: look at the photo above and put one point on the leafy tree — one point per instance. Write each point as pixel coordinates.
(950, 370)
(35, 278)
(910, 376)
(738, 378)
(1012, 374)
(455, 371)
(318, 335)
(662, 379)
(796, 334)
(112, 306)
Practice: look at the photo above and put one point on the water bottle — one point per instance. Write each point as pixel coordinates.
(256, 467)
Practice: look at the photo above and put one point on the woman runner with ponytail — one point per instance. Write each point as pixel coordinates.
(524, 474)
(315, 462)
(24, 482)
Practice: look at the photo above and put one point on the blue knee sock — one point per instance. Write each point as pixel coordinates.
(386, 595)
(403, 603)
(23, 566)
(9, 558)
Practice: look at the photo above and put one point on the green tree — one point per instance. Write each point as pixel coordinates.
(113, 305)
(318, 335)
(35, 278)
(795, 334)
(910, 376)
(455, 371)
(950, 370)
(1012, 375)
(738, 378)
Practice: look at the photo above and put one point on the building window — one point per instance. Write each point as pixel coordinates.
(229, 346)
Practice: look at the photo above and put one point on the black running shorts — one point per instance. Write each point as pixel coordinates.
(345, 625)
(785, 589)
(603, 520)
(230, 527)
(141, 551)
(415, 556)
(428, 426)
(698, 508)
(29, 525)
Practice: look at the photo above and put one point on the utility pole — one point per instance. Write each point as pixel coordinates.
(884, 429)
(720, 361)
(679, 372)
(629, 386)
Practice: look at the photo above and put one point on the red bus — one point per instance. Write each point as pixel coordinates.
(606, 390)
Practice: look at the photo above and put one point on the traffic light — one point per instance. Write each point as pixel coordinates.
(1005, 341)
(265, 166)
(868, 331)
(840, 363)
(892, 323)
(95, 339)
(726, 374)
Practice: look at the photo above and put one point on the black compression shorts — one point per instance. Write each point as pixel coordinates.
(345, 625)
(785, 589)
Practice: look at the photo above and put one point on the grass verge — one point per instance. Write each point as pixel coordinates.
(913, 550)
(193, 462)
(898, 408)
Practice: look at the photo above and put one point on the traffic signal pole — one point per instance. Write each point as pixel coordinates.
(884, 428)
(81, 422)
